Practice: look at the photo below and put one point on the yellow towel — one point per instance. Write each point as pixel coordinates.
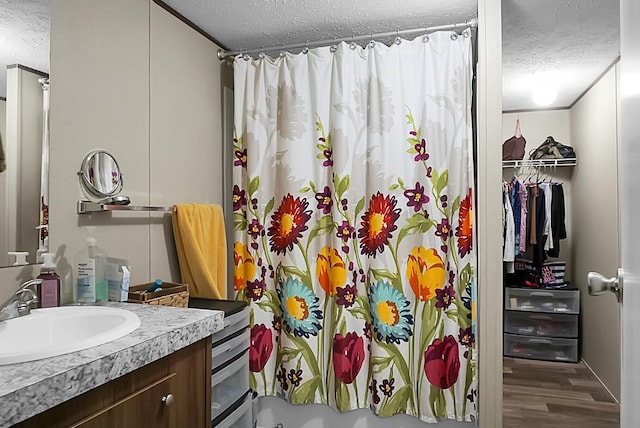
(202, 249)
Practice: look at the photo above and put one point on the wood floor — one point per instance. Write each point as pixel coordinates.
(540, 394)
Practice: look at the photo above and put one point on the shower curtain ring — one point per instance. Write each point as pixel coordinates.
(305, 50)
(333, 47)
(398, 40)
(372, 42)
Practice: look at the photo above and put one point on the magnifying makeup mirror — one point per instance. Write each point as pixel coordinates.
(101, 178)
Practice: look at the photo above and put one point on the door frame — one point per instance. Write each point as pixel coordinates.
(489, 175)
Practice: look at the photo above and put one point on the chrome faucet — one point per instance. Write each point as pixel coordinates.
(18, 305)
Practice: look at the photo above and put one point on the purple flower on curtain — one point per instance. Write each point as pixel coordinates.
(444, 297)
(373, 389)
(324, 200)
(295, 377)
(282, 378)
(328, 155)
(429, 172)
(466, 337)
(288, 223)
(241, 158)
(256, 289)
(255, 228)
(377, 224)
(387, 386)
(443, 229)
(277, 323)
(345, 231)
(422, 154)
(367, 330)
(239, 198)
(416, 197)
(443, 200)
(346, 295)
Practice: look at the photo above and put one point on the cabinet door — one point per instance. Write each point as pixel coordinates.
(149, 407)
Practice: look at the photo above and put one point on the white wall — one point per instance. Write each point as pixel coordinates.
(536, 127)
(595, 220)
(129, 78)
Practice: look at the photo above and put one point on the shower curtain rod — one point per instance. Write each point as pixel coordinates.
(473, 23)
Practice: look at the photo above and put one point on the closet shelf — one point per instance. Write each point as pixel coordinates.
(539, 163)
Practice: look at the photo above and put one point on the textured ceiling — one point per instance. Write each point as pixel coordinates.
(24, 36)
(567, 42)
(242, 24)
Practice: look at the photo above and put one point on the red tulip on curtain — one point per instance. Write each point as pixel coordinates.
(442, 363)
(260, 347)
(348, 356)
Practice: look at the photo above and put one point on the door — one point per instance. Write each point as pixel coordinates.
(629, 188)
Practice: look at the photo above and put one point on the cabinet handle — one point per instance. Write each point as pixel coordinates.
(167, 400)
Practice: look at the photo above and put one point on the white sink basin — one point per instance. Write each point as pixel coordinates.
(55, 331)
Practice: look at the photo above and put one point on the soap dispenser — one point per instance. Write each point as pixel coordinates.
(49, 290)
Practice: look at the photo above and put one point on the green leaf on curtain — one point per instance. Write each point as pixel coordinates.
(324, 225)
(380, 363)
(455, 205)
(254, 184)
(306, 392)
(307, 353)
(269, 307)
(412, 151)
(252, 381)
(288, 354)
(363, 302)
(397, 403)
(394, 186)
(401, 182)
(305, 189)
(434, 178)
(343, 400)
(465, 277)
(359, 206)
(359, 313)
(437, 402)
(409, 119)
(401, 364)
(428, 325)
(379, 274)
(269, 206)
(462, 313)
(239, 222)
(344, 185)
(452, 314)
(303, 276)
(443, 180)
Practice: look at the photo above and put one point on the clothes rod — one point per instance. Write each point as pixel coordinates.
(88, 207)
(473, 23)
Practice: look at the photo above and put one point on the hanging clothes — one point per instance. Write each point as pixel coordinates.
(557, 219)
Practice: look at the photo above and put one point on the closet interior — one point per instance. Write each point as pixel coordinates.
(561, 345)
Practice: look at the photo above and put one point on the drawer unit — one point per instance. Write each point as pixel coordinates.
(542, 300)
(230, 348)
(238, 416)
(229, 382)
(541, 348)
(233, 323)
(541, 324)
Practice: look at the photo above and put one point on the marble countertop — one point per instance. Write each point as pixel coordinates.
(29, 388)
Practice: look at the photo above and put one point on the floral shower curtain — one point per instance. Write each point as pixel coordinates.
(353, 210)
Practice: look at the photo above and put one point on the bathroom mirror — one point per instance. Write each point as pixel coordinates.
(24, 61)
(100, 176)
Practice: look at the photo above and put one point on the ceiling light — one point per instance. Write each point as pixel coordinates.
(544, 94)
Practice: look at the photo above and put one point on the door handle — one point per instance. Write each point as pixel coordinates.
(600, 284)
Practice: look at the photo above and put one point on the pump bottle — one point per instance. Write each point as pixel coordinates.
(49, 290)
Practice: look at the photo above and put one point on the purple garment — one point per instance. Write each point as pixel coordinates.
(524, 194)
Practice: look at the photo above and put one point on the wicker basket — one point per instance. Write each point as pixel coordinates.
(171, 295)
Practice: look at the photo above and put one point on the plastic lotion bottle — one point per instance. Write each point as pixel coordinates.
(49, 290)
(91, 283)
(99, 256)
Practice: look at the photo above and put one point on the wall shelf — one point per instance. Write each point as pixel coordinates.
(536, 163)
(88, 207)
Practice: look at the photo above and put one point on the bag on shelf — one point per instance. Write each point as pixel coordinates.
(552, 149)
(514, 147)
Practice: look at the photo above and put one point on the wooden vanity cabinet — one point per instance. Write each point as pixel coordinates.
(173, 392)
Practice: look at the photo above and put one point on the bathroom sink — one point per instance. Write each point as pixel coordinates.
(56, 331)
